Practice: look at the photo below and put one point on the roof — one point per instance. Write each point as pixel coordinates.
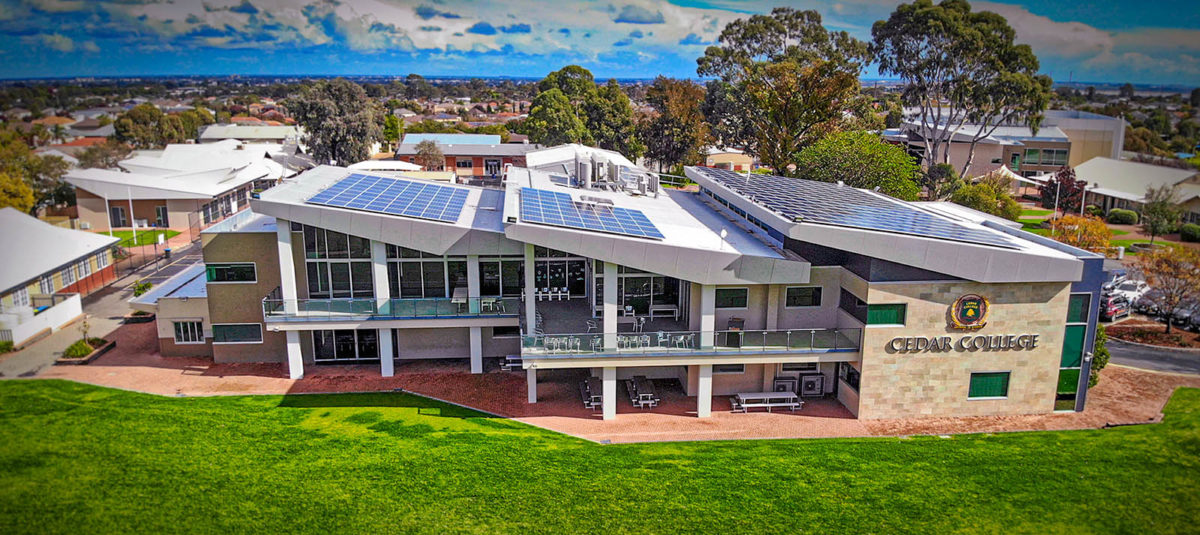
(553, 157)
(245, 221)
(1128, 180)
(384, 165)
(248, 132)
(453, 139)
(35, 247)
(181, 172)
(190, 283)
(458, 149)
(1001, 134)
(965, 213)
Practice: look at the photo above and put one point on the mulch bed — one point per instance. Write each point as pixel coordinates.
(1153, 333)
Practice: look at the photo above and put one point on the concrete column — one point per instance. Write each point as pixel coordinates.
(530, 290)
(531, 383)
(773, 291)
(768, 382)
(708, 314)
(610, 306)
(379, 276)
(287, 288)
(704, 392)
(473, 283)
(476, 350)
(609, 378)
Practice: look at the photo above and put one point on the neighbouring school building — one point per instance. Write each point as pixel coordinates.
(752, 283)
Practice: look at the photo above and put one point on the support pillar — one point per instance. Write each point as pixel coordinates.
(531, 383)
(473, 283)
(609, 378)
(704, 392)
(708, 315)
(610, 307)
(768, 382)
(476, 350)
(287, 289)
(530, 291)
(773, 298)
(379, 276)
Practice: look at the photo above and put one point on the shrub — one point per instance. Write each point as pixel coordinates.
(1189, 232)
(1099, 356)
(1093, 210)
(141, 287)
(77, 350)
(1118, 216)
(6, 346)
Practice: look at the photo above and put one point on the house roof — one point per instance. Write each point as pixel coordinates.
(35, 247)
(190, 283)
(452, 139)
(248, 131)
(181, 172)
(1128, 180)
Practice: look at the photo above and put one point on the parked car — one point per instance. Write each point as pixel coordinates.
(1131, 289)
(1184, 316)
(1113, 307)
(1148, 304)
(1115, 277)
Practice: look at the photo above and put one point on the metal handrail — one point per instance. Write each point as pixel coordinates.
(388, 308)
(669, 342)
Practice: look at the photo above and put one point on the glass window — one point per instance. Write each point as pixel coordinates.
(506, 332)
(337, 244)
(988, 385)
(890, 314)
(345, 345)
(489, 278)
(102, 259)
(803, 296)
(1033, 156)
(799, 367)
(849, 375)
(242, 272)
(46, 285)
(456, 271)
(729, 368)
(853, 305)
(464, 163)
(85, 267)
(318, 279)
(1068, 382)
(434, 275)
(237, 333)
(188, 332)
(323, 345)
(68, 275)
(512, 277)
(339, 279)
(314, 242)
(21, 297)
(360, 276)
(360, 247)
(732, 297)
(1072, 351)
(368, 343)
(1078, 308)
(411, 286)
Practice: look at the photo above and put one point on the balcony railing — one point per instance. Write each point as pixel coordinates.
(384, 309)
(692, 342)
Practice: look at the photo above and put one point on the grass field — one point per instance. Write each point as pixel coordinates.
(144, 237)
(1029, 212)
(76, 457)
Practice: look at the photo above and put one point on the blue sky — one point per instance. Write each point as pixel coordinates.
(1148, 41)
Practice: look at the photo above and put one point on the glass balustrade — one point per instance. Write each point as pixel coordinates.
(380, 309)
(698, 342)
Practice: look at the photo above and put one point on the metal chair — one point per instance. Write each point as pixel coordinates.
(592, 325)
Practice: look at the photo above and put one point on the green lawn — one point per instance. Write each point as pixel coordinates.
(1029, 212)
(81, 458)
(144, 237)
(1034, 226)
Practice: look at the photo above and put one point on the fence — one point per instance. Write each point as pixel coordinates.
(140, 248)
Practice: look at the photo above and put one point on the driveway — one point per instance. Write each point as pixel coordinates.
(1152, 358)
(104, 308)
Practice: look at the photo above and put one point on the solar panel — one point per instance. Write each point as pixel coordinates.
(394, 196)
(830, 204)
(557, 209)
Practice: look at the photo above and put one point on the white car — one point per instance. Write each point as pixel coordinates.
(1131, 290)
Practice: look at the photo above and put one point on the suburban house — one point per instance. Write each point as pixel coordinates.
(48, 269)
(584, 262)
(180, 187)
(729, 158)
(1122, 184)
(468, 155)
(250, 133)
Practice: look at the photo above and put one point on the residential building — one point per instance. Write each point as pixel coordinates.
(468, 155)
(584, 262)
(182, 187)
(1123, 184)
(248, 133)
(728, 158)
(47, 271)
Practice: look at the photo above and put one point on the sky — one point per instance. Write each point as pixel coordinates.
(1146, 41)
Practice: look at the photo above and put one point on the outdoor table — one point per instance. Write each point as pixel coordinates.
(751, 400)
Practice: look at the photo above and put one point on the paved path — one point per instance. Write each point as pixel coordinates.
(104, 308)
(1149, 358)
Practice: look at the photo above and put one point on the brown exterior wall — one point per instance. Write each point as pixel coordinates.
(242, 302)
(1025, 168)
(91, 283)
(168, 348)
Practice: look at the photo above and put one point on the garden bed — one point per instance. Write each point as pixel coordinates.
(99, 347)
(1152, 333)
(139, 317)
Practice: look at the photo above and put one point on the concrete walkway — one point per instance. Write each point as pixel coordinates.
(104, 311)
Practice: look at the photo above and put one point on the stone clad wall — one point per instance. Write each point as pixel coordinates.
(896, 384)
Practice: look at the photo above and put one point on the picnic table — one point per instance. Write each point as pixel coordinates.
(745, 401)
(642, 393)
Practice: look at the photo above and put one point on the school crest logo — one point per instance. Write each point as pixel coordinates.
(969, 312)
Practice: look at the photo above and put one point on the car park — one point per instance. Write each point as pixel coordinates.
(1113, 307)
(1131, 289)
(1115, 277)
(1148, 304)
(1185, 316)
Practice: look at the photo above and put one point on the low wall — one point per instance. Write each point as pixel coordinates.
(50, 319)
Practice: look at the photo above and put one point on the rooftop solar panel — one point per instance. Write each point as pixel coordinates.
(394, 196)
(830, 204)
(557, 209)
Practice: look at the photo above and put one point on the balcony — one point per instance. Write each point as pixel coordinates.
(680, 343)
(351, 309)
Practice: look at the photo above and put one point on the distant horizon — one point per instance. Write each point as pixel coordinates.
(1145, 43)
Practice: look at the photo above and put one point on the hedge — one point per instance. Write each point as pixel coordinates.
(1118, 216)
(1189, 232)
(1094, 210)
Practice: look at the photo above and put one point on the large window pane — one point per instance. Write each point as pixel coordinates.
(489, 278)
(323, 345)
(577, 277)
(1078, 308)
(337, 243)
(368, 344)
(732, 297)
(339, 275)
(237, 333)
(314, 242)
(360, 247)
(512, 277)
(456, 274)
(230, 272)
(853, 305)
(394, 279)
(434, 275)
(1068, 381)
(803, 296)
(1072, 351)
(889, 314)
(363, 285)
(344, 344)
(410, 280)
(988, 385)
(318, 279)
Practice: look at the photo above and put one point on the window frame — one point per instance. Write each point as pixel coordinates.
(209, 266)
(715, 371)
(102, 259)
(717, 305)
(20, 296)
(68, 275)
(903, 323)
(820, 297)
(816, 366)
(1007, 384)
(44, 282)
(214, 331)
(85, 267)
(199, 330)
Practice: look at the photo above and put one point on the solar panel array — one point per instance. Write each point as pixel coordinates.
(830, 204)
(394, 196)
(556, 208)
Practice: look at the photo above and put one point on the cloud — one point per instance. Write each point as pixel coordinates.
(623, 42)
(58, 41)
(693, 39)
(516, 28)
(431, 28)
(631, 14)
(245, 8)
(427, 12)
(1049, 37)
(482, 28)
(90, 47)
(636, 34)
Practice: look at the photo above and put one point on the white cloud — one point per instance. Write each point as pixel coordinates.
(58, 42)
(1049, 37)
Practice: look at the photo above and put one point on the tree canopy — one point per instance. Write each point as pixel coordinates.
(1063, 191)
(676, 132)
(988, 195)
(1160, 211)
(41, 174)
(146, 127)
(429, 156)
(553, 120)
(862, 160)
(1085, 232)
(16, 193)
(1174, 273)
(104, 155)
(340, 122)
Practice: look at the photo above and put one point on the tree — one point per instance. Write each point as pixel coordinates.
(861, 160)
(1142, 140)
(552, 120)
(784, 82)
(675, 133)
(1174, 273)
(41, 174)
(144, 126)
(940, 181)
(392, 129)
(960, 66)
(104, 156)
(16, 193)
(340, 122)
(575, 82)
(1085, 232)
(1126, 91)
(1160, 211)
(1063, 191)
(608, 117)
(429, 156)
(989, 195)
